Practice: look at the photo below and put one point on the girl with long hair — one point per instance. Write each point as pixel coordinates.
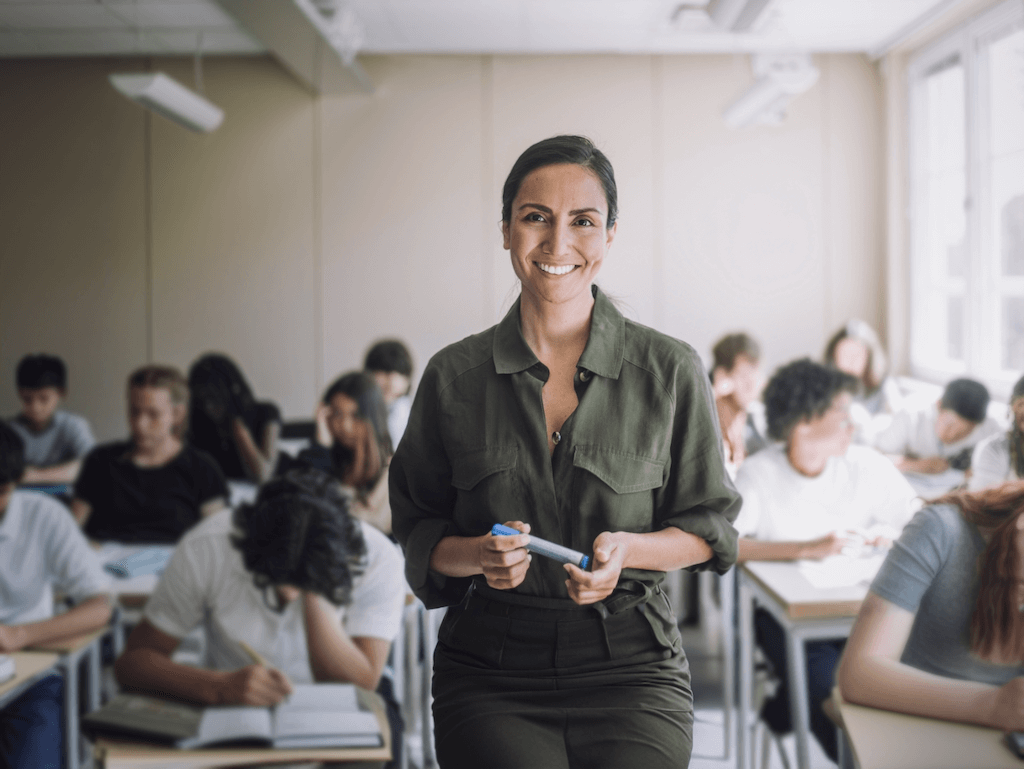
(1000, 458)
(354, 445)
(941, 633)
(227, 422)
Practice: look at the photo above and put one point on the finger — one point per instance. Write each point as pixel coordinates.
(282, 681)
(505, 542)
(603, 553)
(504, 559)
(523, 527)
(577, 575)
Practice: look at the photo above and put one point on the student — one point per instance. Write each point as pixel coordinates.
(314, 592)
(941, 633)
(353, 444)
(41, 550)
(1000, 458)
(153, 487)
(855, 349)
(809, 497)
(390, 363)
(55, 441)
(229, 424)
(736, 381)
(941, 435)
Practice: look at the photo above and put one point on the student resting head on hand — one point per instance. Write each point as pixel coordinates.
(736, 381)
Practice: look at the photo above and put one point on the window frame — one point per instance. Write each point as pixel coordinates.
(982, 353)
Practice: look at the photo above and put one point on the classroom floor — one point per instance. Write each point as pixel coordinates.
(709, 716)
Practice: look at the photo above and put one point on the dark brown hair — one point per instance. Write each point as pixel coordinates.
(997, 625)
(730, 347)
(877, 367)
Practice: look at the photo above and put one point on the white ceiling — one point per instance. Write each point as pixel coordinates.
(125, 27)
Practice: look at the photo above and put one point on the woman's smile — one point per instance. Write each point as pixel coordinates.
(556, 269)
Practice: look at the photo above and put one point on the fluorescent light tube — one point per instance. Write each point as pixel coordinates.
(170, 99)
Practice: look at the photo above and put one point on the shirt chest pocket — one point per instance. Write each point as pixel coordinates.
(485, 480)
(616, 488)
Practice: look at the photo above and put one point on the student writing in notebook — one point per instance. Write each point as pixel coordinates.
(41, 549)
(314, 592)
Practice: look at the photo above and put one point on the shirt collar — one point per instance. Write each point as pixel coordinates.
(9, 523)
(602, 355)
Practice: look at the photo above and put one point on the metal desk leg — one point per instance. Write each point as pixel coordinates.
(93, 655)
(72, 750)
(727, 603)
(746, 644)
(799, 710)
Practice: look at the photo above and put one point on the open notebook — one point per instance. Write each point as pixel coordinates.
(6, 668)
(314, 716)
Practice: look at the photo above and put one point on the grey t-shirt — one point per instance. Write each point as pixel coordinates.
(67, 438)
(932, 570)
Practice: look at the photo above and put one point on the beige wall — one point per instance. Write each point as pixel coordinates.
(303, 229)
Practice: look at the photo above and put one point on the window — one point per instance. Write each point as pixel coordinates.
(967, 201)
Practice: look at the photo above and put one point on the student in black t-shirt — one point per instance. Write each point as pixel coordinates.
(154, 487)
(226, 421)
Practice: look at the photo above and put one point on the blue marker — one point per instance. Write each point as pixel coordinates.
(543, 547)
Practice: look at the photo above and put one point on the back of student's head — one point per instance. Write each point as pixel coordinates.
(801, 390)
(38, 371)
(299, 532)
(12, 455)
(732, 346)
(967, 398)
(387, 356)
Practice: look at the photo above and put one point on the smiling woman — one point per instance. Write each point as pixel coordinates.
(571, 423)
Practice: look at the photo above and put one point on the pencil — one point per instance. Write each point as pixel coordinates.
(252, 654)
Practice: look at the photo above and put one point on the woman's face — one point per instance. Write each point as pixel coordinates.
(852, 357)
(557, 235)
(344, 422)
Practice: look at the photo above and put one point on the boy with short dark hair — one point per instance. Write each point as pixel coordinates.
(390, 363)
(736, 381)
(55, 441)
(941, 435)
(40, 549)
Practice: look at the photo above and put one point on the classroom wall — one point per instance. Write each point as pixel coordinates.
(304, 228)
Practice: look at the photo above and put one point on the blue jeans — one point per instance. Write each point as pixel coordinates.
(31, 728)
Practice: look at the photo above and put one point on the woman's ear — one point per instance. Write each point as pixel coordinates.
(610, 234)
(506, 235)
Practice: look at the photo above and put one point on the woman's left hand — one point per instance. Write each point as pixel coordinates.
(586, 587)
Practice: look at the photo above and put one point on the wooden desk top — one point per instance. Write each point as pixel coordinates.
(124, 754)
(885, 740)
(802, 600)
(28, 665)
(71, 644)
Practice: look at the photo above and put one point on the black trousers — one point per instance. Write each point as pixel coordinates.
(521, 682)
(822, 658)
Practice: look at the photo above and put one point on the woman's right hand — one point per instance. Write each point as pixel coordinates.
(503, 559)
(1007, 709)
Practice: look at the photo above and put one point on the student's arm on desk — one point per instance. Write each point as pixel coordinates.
(815, 549)
(925, 466)
(90, 614)
(62, 473)
(334, 656)
(871, 674)
(146, 665)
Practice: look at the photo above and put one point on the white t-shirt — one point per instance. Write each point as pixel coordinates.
(42, 548)
(398, 418)
(912, 432)
(860, 490)
(207, 583)
(990, 463)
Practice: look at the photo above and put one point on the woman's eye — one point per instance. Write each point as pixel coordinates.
(535, 217)
(585, 222)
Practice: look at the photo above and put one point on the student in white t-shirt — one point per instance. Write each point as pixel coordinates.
(1000, 458)
(934, 438)
(810, 496)
(314, 591)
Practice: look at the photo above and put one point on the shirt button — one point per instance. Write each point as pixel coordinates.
(584, 375)
(556, 437)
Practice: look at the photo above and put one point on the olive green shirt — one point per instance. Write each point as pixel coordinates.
(641, 452)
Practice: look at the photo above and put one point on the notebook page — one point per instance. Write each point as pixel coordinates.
(233, 724)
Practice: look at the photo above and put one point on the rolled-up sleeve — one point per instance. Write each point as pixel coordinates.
(422, 497)
(698, 497)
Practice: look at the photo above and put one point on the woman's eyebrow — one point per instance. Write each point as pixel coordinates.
(574, 212)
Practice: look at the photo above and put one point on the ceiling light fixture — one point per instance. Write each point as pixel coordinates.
(779, 79)
(170, 99)
(737, 15)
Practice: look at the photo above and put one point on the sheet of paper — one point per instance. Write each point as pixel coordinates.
(841, 571)
(336, 697)
(231, 724)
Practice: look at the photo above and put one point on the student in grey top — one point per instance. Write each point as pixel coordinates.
(55, 441)
(941, 633)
